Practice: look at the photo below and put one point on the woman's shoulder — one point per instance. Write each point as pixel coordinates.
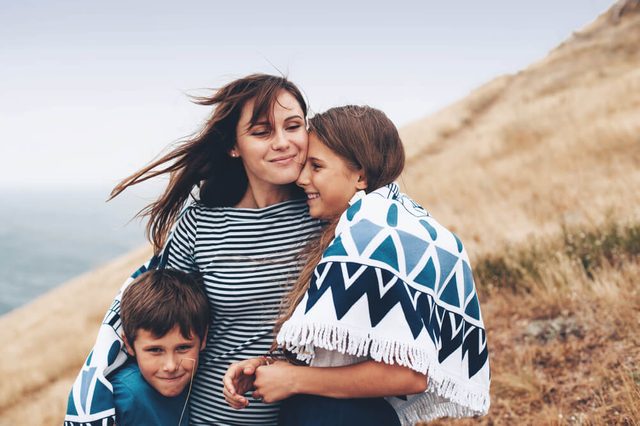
(296, 207)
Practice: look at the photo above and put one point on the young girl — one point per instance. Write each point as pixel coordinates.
(387, 295)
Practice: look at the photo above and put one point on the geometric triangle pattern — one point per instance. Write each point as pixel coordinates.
(427, 256)
(386, 253)
(336, 248)
(447, 262)
(448, 331)
(364, 232)
(390, 259)
(412, 247)
(449, 293)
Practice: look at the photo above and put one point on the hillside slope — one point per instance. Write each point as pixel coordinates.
(557, 143)
(47, 341)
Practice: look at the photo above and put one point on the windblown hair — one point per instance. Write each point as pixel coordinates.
(367, 140)
(202, 160)
(161, 299)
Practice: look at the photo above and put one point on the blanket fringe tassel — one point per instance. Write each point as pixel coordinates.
(444, 397)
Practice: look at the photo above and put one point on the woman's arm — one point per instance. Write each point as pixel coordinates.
(281, 380)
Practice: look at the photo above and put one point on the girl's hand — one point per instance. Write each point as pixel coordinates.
(238, 380)
(275, 382)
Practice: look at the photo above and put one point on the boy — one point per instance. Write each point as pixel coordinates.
(165, 315)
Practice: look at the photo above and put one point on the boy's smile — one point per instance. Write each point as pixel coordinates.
(166, 362)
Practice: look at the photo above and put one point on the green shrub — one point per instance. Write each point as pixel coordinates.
(516, 269)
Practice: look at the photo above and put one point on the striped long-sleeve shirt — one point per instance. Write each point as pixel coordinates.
(248, 259)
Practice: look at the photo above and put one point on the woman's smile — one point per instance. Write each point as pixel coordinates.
(284, 160)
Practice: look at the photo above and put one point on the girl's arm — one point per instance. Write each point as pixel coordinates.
(281, 380)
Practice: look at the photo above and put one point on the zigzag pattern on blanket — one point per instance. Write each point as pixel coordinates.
(448, 330)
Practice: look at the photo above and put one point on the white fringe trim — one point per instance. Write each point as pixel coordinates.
(445, 396)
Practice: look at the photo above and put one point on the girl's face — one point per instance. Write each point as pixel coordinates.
(328, 181)
(272, 153)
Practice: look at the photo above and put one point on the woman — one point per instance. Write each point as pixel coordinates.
(387, 295)
(243, 234)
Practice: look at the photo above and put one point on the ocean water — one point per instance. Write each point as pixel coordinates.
(50, 236)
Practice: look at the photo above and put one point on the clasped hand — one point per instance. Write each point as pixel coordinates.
(269, 383)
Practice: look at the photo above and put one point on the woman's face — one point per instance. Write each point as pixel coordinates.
(272, 153)
(328, 181)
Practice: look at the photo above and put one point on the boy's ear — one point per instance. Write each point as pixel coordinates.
(204, 339)
(361, 184)
(129, 347)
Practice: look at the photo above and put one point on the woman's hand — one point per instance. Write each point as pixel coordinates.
(275, 382)
(238, 380)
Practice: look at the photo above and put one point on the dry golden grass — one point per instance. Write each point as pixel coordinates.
(46, 342)
(556, 143)
(509, 167)
(564, 346)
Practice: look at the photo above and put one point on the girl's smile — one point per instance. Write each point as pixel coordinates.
(328, 180)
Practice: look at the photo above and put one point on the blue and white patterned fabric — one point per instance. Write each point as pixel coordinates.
(396, 286)
(91, 399)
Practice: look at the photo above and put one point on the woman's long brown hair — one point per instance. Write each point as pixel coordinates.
(366, 139)
(203, 160)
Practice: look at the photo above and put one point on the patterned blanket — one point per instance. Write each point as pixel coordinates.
(396, 286)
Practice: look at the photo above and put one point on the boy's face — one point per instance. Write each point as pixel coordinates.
(166, 362)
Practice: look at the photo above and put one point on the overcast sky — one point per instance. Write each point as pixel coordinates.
(91, 91)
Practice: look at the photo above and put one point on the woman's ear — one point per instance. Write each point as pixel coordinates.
(361, 184)
(233, 152)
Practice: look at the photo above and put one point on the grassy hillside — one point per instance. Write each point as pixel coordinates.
(46, 342)
(562, 317)
(557, 143)
(538, 173)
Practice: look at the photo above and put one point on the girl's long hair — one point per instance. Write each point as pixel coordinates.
(366, 139)
(202, 160)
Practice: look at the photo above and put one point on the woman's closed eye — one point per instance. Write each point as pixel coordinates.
(261, 132)
(293, 126)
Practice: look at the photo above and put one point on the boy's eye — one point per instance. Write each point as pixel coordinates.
(185, 348)
(154, 350)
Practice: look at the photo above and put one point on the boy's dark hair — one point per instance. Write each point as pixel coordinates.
(160, 299)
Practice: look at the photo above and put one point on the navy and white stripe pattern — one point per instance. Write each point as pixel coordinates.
(248, 259)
